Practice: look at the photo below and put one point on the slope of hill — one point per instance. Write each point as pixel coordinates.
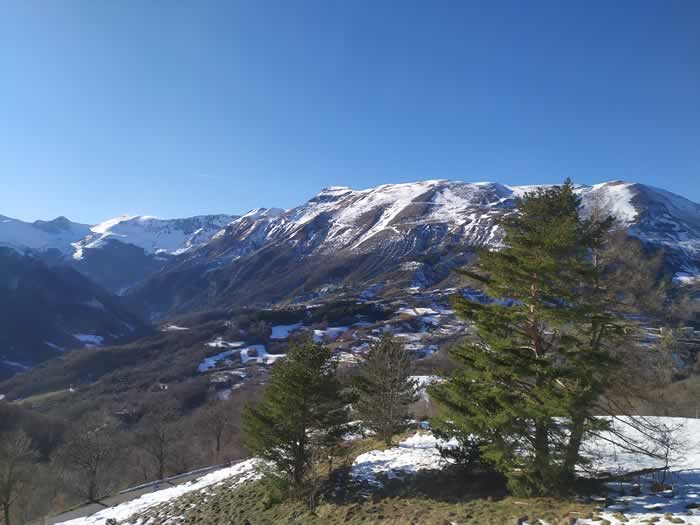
(412, 483)
(45, 311)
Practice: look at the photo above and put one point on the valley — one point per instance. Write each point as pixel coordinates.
(189, 331)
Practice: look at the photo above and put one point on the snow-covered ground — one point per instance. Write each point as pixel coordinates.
(219, 342)
(235, 475)
(681, 501)
(210, 363)
(257, 353)
(174, 328)
(329, 334)
(419, 452)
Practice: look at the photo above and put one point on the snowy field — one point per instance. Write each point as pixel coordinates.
(635, 501)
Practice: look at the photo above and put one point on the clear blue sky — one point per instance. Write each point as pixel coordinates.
(175, 108)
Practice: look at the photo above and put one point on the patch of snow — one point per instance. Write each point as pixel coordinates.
(54, 346)
(220, 343)
(174, 328)
(15, 364)
(686, 279)
(418, 452)
(282, 331)
(209, 363)
(94, 303)
(89, 340)
(417, 311)
(329, 334)
(261, 356)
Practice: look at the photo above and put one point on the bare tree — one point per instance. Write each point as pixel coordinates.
(16, 454)
(216, 424)
(159, 436)
(88, 452)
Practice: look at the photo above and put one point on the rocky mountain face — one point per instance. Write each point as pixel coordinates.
(397, 235)
(47, 310)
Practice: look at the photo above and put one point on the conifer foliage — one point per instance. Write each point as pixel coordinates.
(529, 378)
(386, 389)
(302, 410)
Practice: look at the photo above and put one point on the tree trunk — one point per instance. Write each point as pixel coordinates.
(572, 451)
(541, 448)
(6, 509)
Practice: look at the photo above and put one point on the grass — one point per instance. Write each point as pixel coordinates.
(40, 398)
(252, 504)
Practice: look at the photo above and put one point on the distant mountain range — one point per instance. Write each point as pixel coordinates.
(390, 236)
(117, 253)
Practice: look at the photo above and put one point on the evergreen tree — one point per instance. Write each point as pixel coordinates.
(301, 410)
(534, 365)
(386, 389)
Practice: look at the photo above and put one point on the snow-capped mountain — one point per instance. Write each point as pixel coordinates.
(412, 233)
(431, 212)
(419, 230)
(116, 253)
(153, 235)
(41, 236)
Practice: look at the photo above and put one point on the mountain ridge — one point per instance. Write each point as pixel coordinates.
(355, 238)
(350, 237)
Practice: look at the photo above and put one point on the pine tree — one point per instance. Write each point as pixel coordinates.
(533, 364)
(301, 410)
(386, 389)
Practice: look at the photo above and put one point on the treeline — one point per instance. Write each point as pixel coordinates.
(48, 464)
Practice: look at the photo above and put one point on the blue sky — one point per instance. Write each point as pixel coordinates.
(188, 107)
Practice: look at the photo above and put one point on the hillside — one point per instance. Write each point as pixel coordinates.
(47, 311)
(411, 483)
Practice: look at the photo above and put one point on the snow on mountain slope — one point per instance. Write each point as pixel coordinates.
(437, 211)
(410, 234)
(340, 218)
(172, 236)
(154, 235)
(41, 235)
